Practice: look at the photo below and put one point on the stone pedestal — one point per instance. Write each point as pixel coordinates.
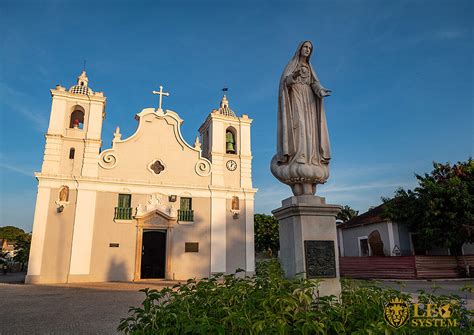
(308, 241)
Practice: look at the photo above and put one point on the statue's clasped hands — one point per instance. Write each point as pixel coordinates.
(296, 74)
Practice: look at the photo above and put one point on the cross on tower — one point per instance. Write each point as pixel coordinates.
(161, 93)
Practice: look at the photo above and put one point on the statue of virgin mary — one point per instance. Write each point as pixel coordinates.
(303, 152)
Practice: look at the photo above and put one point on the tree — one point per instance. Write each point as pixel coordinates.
(22, 249)
(11, 233)
(21, 240)
(266, 233)
(441, 209)
(347, 213)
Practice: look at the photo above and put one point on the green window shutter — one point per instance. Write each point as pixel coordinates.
(185, 204)
(124, 200)
(185, 212)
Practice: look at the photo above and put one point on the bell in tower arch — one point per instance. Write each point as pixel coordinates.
(230, 142)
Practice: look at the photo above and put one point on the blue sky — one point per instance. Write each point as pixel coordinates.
(401, 74)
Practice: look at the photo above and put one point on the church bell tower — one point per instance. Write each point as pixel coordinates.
(73, 138)
(71, 154)
(225, 140)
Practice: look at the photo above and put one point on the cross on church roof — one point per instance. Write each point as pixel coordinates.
(161, 93)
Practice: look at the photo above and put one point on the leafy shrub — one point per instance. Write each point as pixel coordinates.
(269, 304)
(267, 238)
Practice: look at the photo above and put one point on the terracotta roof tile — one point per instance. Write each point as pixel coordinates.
(374, 215)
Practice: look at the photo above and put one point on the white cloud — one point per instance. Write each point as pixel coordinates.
(357, 171)
(270, 197)
(359, 186)
(367, 186)
(18, 169)
(19, 102)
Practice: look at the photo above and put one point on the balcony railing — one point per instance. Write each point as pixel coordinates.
(185, 215)
(123, 213)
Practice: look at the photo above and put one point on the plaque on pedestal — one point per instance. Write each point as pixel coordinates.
(320, 259)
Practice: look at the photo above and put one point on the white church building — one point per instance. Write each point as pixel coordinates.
(151, 205)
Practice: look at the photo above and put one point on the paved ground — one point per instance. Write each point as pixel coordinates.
(434, 286)
(96, 308)
(13, 278)
(440, 287)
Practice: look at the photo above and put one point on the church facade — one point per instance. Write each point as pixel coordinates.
(151, 205)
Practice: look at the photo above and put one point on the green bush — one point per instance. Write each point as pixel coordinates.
(267, 238)
(269, 304)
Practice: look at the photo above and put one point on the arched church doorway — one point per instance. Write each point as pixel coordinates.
(153, 263)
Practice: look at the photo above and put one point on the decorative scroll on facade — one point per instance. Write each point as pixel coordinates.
(203, 167)
(107, 159)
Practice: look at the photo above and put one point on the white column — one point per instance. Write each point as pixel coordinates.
(217, 175)
(217, 146)
(39, 231)
(217, 136)
(83, 233)
(52, 154)
(341, 242)
(57, 122)
(94, 126)
(246, 154)
(246, 172)
(218, 233)
(249, 234)
(391, 240)
(91, 158)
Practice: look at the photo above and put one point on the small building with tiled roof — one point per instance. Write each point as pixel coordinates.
(359, 235)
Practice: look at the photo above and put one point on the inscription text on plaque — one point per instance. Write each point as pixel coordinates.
(320, 259)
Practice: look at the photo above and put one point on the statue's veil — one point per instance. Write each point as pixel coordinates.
(285, 115)
(294, 61)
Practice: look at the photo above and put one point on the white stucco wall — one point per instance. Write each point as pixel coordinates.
(351, 242)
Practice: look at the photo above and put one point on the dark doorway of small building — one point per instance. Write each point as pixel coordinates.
(153, 254)
(417, 248)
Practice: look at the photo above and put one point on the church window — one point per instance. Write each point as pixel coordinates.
(186, 203)
(230, 142)
(72, 151)
(124, 211)
(185, 212)
(157, 167)
(77, 119)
